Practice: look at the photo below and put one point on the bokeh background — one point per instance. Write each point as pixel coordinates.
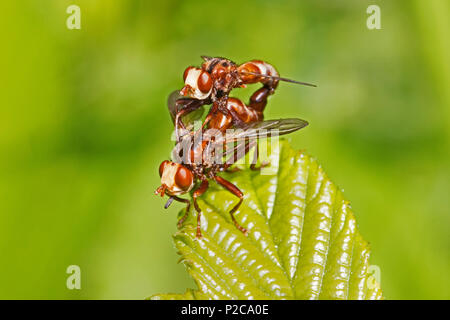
(84, 126)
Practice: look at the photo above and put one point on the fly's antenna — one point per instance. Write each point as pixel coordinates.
(279, 78)
(206, 58)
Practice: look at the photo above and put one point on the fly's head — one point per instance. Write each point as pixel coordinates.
(176, 179)
(216, 78)
(198, 83)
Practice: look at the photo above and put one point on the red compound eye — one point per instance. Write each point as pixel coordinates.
(204, 82)
(184, 178)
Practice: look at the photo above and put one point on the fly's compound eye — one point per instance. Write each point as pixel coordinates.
(186, 72)
(161, 167)
(184, 178)
(204, 82)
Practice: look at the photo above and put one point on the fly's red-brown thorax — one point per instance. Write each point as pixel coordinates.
(224, 74)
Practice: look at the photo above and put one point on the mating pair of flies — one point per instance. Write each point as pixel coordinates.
(212, 84)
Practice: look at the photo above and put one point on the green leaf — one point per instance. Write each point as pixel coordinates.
(303, 240)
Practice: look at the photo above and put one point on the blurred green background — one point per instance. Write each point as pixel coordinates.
(84, 127)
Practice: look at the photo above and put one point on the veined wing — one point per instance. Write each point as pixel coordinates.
(259, 130)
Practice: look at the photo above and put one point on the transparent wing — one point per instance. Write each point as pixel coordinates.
(258, 130)
(176, 102)
(172, 103)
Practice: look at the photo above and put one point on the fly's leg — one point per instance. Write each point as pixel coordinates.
(234, 169)
(178, 123)
(233, 159)
(197, 193)
(238, 193)
(247, 145)
(185, 106)
(207, 120)
(188, 205)
(258, 100)
(255, 160)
